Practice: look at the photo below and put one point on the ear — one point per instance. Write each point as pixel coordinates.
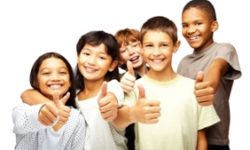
(113, 65)
(214, 26)
(176, 46)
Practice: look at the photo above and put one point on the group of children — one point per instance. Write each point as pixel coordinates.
(150, 106)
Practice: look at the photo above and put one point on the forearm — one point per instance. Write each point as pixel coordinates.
(25, 118)
(33, 97)
(201, 140)
(125, 117)
(215, 71)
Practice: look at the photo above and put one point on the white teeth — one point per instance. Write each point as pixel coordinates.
(157, 60)
(134, 58)
(55, 86)
(90, 70)
(193, 37)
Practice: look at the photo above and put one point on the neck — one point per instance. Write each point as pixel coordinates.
(91, 89)
(142, 70)
(166, 75)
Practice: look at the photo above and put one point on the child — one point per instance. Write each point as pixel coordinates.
(97, 62)
(164, 99)
(130, 50)
(219, 61)
(131, 61)
(63, 127)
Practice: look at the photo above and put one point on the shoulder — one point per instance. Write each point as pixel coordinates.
(186, 80)
(224, 47)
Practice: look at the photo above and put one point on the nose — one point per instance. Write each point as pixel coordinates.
(156, 51)
(55, 76)
(91, 60)
(191, 29)
(130, 50)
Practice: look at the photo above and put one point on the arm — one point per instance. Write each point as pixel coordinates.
(144, 111)
(25, 118)
(32, 97)
(201, 140)
(127, 81)
(207, 84)
(124, 118)
(215, 71)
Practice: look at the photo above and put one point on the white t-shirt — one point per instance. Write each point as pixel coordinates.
(100, 134)
(181, 116)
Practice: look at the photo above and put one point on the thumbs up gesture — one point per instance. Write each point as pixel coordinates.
(146, 111)
(128, 79)
(203, 91)
(54, 111)
(108, 104)
(63, 110)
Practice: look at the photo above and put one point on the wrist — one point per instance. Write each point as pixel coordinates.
(132, 115)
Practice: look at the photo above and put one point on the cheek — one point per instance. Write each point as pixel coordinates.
(124, 56)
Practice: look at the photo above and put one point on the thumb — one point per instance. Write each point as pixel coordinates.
(56, 99)
(65, 98)
(130, 68)
(199, 77)
(104, 89)
(141, 91)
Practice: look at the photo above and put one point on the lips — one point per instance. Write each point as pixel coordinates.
(55, 86)
(90, 69)
(135, 58)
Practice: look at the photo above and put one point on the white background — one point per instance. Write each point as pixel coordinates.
(30, 28)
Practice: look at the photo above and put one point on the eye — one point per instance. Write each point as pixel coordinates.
(134, 45)
(63, 72)
(123, 50)
(164, 45)
(45, 73)
(148, 45)
(198, 23)
(86, 53)
(184, 25)
(103, 57)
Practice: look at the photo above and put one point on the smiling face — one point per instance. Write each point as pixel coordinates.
(132, 52)
(198, 28)
(158, 48)
(53, 76)
(94, 62)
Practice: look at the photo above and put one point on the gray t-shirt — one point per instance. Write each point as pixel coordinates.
(191, 64)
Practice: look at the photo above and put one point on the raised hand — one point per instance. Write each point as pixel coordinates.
(55, 112)
(48, 114)
(63, 110)
(108, 104)
(203, 91)
(128, 79)
(146, 111)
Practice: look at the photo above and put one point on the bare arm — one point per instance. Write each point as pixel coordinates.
(207, 84)
(215, 71)
(144, 111)
(201, 140)
(32, 97)
(124, 118)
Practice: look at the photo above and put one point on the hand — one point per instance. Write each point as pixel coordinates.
(146, 111)
(48, 114)
(203, 91)
(128, 79)
(63, 110)
(108, 104)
